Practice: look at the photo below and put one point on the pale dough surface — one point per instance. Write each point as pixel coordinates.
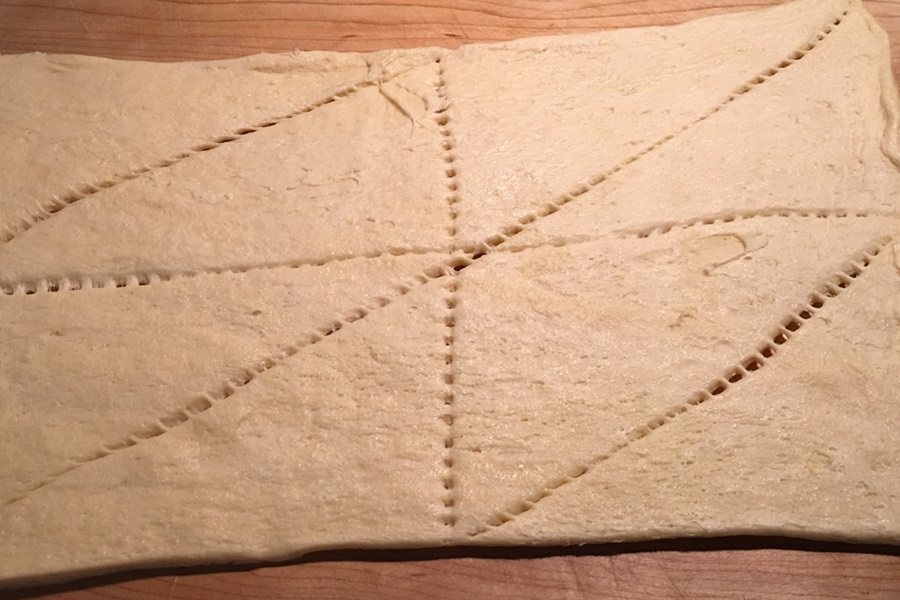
(614, 286)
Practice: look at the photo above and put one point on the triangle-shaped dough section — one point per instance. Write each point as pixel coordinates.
(557, 114)
(341, 444)
(103, 121)
(564, 351)
(356, 177)
(829, 150)
(88, 372)
(806, 446)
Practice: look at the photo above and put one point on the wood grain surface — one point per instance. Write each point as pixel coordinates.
(725, 569)
(722, 569)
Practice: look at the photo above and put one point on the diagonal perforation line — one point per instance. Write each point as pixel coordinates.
(224, 391)
(85, 190)
(670, 227)
(579, 190)
(780, 335)
(113, 281)
(733, 216)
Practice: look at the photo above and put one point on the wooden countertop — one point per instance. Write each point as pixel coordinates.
(734, 568)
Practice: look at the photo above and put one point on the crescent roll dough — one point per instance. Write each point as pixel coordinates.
(616, 286)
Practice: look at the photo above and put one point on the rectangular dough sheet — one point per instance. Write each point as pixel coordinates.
(618, 286)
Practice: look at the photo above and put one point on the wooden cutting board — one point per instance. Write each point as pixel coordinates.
(733, 568)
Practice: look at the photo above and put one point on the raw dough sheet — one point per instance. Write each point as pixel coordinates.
(617, 286)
